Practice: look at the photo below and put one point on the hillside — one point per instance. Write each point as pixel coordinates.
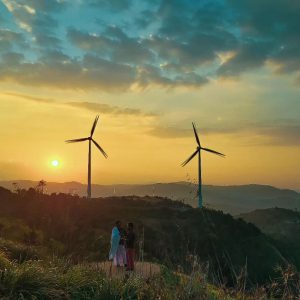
(230, 199)
(283, 226)
(169, 232)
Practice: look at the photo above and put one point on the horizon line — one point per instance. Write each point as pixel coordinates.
(296, 189)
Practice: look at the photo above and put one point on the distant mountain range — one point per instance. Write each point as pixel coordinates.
(230, 199)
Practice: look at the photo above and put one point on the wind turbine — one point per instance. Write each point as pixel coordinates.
(198, 151)
(90, 139)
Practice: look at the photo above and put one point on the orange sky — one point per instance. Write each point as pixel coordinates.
(148, 143)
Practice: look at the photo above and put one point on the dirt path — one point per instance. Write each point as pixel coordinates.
(144, 269)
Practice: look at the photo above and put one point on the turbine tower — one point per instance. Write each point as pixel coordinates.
(198, 151)
(90, 139)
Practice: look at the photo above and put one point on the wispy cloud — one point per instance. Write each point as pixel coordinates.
(278, 133)
(31, 98)
(95, 107)
(284, 132)
(109, 109)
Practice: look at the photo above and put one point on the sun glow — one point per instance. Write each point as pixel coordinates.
(55, 163)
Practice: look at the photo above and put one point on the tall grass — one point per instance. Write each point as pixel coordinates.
(60, 279)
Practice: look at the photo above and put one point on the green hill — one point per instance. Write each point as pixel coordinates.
(169, 232)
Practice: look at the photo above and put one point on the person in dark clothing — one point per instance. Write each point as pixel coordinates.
(129, 245)
(121, 249)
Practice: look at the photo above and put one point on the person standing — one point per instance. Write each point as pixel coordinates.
(129, 244)
(120, 257)
(115, 240)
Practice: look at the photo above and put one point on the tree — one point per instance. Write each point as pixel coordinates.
(41, 185)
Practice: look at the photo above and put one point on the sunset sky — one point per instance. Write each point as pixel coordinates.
(150, 68)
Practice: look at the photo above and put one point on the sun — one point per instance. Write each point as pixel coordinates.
(55, 163)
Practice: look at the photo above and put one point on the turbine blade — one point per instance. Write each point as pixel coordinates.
(190, 158)
(101, 150)
(77, 140)
(94, 125)
(196, 135)
(213, 151)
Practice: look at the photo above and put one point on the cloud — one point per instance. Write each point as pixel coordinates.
(10, 59)
(35, 17)
(55, 69)
(115, 5)
(148, 75)
(114, 43)
(179, 132)
(279, 133)
(274, 27)
(89, 42)
(91, 72)
(31, 98)
(192, 34)
(24, 14)
(45, 5)
(109, 109)
(165, 43)
(249, 56)
(96, 107)
(286, 133)
(169, 132)
(9, 39)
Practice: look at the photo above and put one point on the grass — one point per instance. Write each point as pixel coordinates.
(57, 278)
(61, 280)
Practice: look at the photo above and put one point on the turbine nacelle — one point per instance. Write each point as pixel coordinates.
(90, 138)
(199, 148)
